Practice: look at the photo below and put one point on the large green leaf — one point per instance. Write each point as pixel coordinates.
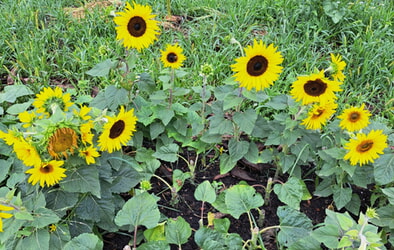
(39, 239)
(177, 231)
(141, 210)
(226, 163)
(44, 217)
(102, 68)
(84, 179)
(290, 193)
(11, 92)
(241, 198)
(60, 201)
(167, 152)
(205, 192)
(84, 241)
(112, 97)
(5, 166)
(125, 179)
(246, 120)
(294, 225)
(341, 196)
(389, 192)
(384, 169)
(237, 149)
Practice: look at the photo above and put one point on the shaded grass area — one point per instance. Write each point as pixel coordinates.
(41, 42)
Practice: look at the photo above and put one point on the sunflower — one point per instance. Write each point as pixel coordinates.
(86, 133)
(117, 131)
(10, 137)
(62, 142)
(49, 173)
(48, 97)
(27, 153)
(318, 115)
(259, 68)
(89, 154)
(83, 113)
(354, 118)
(366, 147)
(136, 27)
(336, 68)
(314, 88)
(172, 56)
(27, 118)
(4, 215)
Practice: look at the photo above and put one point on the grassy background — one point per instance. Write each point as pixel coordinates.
(43, 44)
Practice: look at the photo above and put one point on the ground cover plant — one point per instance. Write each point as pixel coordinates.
(197, 125)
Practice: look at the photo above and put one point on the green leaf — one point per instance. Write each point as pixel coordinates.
(344, 221)
(44, 217)
(336, 153)
(60, 201)
(93, 209)
(241, 199)
(102, 68)
(226, 163)
(294, 225)
(156, 233)
(86, 241)
(290, 193)
(207, 238)
(279, 102)
(177, 231)
(386, 217)
(19, 108)
(5, 166)
(333, 10)
(124, 179)
(112, 97)
(389, 192)
(179, 178)
(141, 210)
(205, 192)
(84, 179)
(23, 215)
(39, 239)
(231, 101)
(237, 149)
(254, 156)
(328, 235)
(11, 92)
(167, 152)
(164, 114)
(246, 120)
(384, 169)
(162, 245)
(341, 196)
(345, 242)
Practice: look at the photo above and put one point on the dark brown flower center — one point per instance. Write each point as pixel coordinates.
(318, 113)
(172, 57)
(257, 65)
(46, 169)
(315, 88)
(354, 117)
(136, 26)
(364, 146)
(116, 129)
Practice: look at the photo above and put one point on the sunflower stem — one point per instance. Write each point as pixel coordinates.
(172, 80)
(169, 8)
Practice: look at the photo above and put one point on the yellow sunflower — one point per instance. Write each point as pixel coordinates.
(366, 147)
(62, 142)
(10, 137)
(27, 153)
(49, 173)
(48, 97)
(354, 118)
(89, 154)
(117, 131)
(314, 88)
(136, 27)
(172, 56)
(259, 68)
(27, 118)
(4, 215)
(86, 132)
(336, 68)
(318, 115)
(83, 113)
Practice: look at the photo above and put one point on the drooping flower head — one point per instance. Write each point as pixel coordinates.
(48, 97)
(117, 131)
(4, 215)
(136, 27)
(314, 88)
(62, 142)
(259, 68)
(365, 148)
(48, 173)
(336, 68)
(354, 118)
(172, 56)
(319, 115)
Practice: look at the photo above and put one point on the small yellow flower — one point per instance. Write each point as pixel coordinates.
(86, 132)
(172, 56)
(319, 115)
(52, 228)
(89, 154)
(4, 215)
(337, 66)
(83, 113)
(366, 147)
(354, 118)
(28, 118)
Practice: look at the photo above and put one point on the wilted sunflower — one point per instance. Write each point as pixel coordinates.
(117, 131)
(62, 142)
(366, 147)
(48, 97)
(136, 27)
(49, 173)
(354, 118)
(27, 153)
(336, 68)
(172, 56)
(318, 115)
(4, 215)
(89, 154)
(259, 68)
(314, 88)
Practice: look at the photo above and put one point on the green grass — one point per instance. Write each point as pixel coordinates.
(42, 43)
